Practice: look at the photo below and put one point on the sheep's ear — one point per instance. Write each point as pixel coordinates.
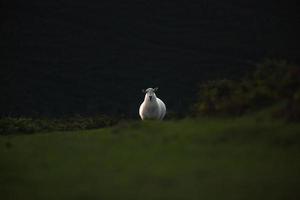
(155, 89)
(143, 91)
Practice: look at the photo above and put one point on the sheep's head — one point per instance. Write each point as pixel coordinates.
(150, 93)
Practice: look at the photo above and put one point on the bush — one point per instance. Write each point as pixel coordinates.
(9, 125)
(271, 83)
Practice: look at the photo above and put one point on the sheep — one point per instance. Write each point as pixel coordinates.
(152, 107)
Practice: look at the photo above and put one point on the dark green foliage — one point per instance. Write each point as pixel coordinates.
(273, 82)
(11, 125)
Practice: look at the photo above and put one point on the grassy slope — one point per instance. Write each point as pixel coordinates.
(189, 159)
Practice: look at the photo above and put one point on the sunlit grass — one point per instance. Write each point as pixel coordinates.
(208, 158)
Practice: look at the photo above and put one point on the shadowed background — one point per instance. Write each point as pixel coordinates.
(89, 57)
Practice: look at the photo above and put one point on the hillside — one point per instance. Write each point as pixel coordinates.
(209, 158)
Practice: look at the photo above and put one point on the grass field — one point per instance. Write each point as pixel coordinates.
(246, 158)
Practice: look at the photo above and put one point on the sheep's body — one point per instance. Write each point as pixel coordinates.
(152, 107)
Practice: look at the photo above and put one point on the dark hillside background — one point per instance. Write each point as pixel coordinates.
(66, 57)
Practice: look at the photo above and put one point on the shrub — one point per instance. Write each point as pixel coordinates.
(9, 125)
(271, 83)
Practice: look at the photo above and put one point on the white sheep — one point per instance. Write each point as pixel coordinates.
(152, 107)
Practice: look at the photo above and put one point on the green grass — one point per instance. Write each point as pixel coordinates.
(246, 158)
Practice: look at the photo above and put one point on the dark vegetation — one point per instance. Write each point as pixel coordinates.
(273, 84)
(9, 125)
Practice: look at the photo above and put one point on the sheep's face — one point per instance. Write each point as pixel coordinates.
(150, 94)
